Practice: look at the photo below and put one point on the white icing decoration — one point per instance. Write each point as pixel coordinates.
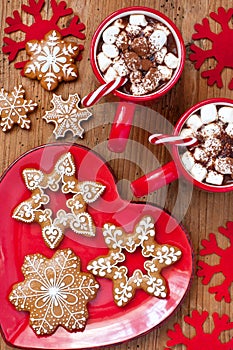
(62, 176)
(54, 60)
(24, 212)
(65, 165)
(63, 218)
(91, 191)
(14, 110)
(32, 178)
(167, 255)
(52, 235)
(82, 224)
(75, 203)
(67, 116)
(117, 240)
(55, 292)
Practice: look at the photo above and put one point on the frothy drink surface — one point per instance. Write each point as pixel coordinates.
(211, 160)
(140, 48)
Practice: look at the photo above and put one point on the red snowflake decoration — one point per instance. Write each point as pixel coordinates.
(221, 50)
(201, 340)
(40, 27)
(207, 271)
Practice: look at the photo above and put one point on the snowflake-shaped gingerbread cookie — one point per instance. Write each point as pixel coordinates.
(52, 224)
(51, 60)
(111, 266)
(14, 109)
(55, 292)
(67, 116)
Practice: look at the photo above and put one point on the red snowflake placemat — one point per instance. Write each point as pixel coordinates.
(224, 265)
(221, 49)
(202, 340)
(40, 27)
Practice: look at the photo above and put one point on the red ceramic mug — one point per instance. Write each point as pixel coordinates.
(175, 168)
(124, 115)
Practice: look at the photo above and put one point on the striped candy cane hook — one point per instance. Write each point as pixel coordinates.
(158, 139)
(105, 89)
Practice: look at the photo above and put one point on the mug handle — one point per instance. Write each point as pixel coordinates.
(121, 127)
(155, 179)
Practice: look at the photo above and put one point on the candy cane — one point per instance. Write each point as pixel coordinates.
(105, 89)
(157, 139)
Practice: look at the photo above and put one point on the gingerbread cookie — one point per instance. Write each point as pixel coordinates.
(67, 116)
(51, 60)
(55, 292)
(14, 109)
(111, 266)
(53, 225)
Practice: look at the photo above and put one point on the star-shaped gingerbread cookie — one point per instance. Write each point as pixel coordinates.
(14, 109)
(51, 60)
(67, 116)
(55, 292)
(52, 224)
(111, 266)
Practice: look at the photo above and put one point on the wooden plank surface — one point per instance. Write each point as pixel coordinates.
(200, 212)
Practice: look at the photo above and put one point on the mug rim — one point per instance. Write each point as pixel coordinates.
(175, 152)
(164, 19)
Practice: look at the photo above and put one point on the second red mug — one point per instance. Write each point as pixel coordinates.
(174, 169)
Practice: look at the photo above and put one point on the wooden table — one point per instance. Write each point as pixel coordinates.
(201, 212)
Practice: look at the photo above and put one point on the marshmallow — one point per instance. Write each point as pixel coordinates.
(138, 89)
(122, 41)
(159, 55)
(214, 178)
(211, 129)
(110, 75)
(166, 73)
(138, 20)
(212, 146)
(186, 132)
(133, 30)
(209, 113)
(119, 23)
(132, 60)
(188, 160)
(136, 76)
(229, 130)
(151, 79)
(162, 27)
(171, 60)
(200, 155)
(198, 172)
(110, 34)
(226, 114)
(103, 61)
(224, 165)
(120, 67)
(110, 50)
(158, 39)
(194, 122)
(148, 30)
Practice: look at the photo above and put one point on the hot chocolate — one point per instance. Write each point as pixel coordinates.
(211, 160)
(140, 48)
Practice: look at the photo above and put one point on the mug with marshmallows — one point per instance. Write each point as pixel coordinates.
(144, 48)
(208, 164)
